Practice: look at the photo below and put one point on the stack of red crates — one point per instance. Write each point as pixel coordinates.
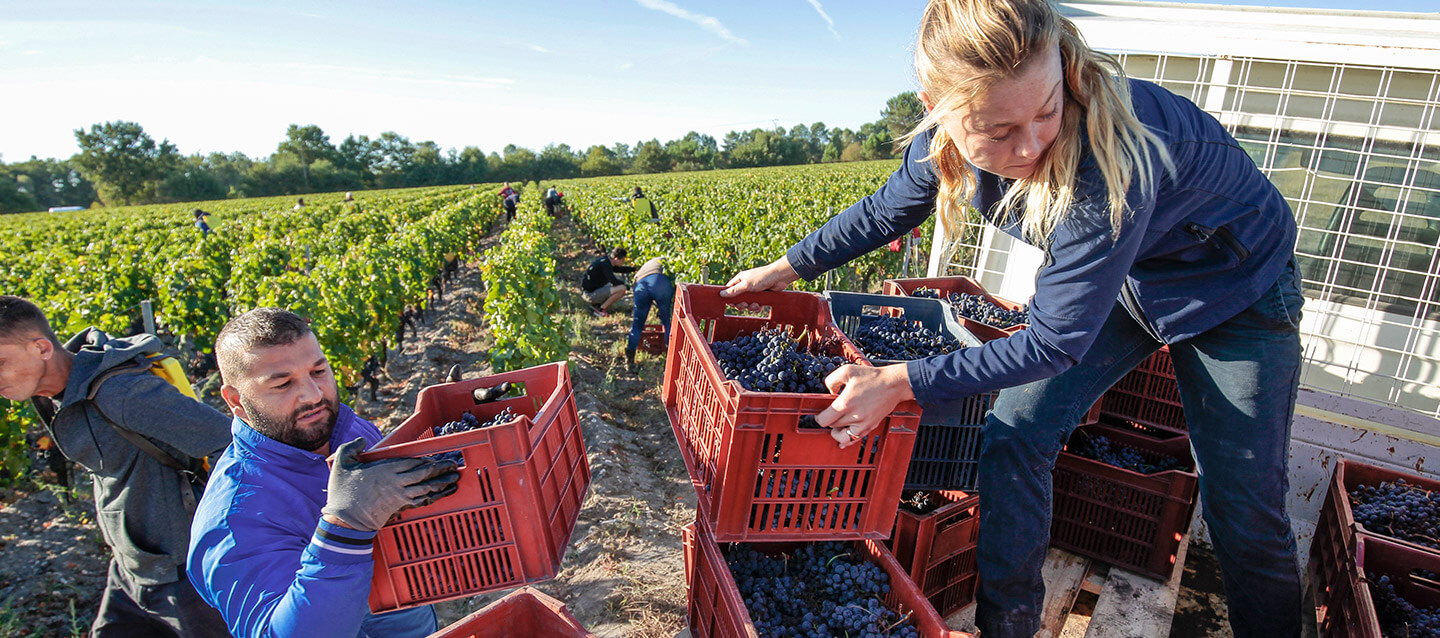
(1117, 516)
(523, 613)
(1335, 552)
(519, 494)
(717, 611)
(763, 477)
(759, 474)
(938, 549)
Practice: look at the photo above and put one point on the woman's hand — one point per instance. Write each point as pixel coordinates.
(867, 395)
(777, 275)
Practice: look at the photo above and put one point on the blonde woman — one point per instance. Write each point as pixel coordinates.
(1158, 229)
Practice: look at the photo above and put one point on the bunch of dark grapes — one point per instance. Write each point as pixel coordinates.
(919, 502)
(977, 308)
(821, 591)
(1102, 449)
(1398, 617)
(926, 293)
(465, 423)
(897, 339)
(1399, 509)
(772, 361)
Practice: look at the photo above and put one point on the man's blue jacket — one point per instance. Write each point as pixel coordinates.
(261, 555)
(1194, 252)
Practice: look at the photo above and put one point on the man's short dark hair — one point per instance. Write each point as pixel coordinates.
(619, 252)
(259, 328)
(21, 319)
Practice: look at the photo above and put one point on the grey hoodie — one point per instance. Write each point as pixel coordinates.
(139, 502)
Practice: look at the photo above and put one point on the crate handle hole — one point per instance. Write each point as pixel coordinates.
(748, 310)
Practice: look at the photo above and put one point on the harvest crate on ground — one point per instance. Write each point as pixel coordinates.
(1147, 398)
(523, 613)
(652, 340)
(520, 489)
(1349, 610)
(1337, 534)
(938, 549)
(1125, 518)
(962, 285)
(758, 472)
(717, 611)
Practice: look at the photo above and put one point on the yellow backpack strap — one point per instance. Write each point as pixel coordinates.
(168, 368)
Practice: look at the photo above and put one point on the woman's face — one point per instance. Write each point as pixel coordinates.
(1009, 127)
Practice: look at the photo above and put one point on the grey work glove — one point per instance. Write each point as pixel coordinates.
(365, 495)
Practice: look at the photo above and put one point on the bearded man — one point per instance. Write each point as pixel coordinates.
(281, 542)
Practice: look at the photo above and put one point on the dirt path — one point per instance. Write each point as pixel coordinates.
(624, 573)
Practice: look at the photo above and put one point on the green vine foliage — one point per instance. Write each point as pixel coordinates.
(522, 303)
(713, 224)
(350, 267)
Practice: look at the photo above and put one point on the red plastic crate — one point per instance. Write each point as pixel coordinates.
(1147, 398)
(1337, 534)
(758, 474)
(965, 285)
(519, 493)
(1349, 612)
(523, 613)
(717, 611)
(938, 549)
(652, 340)
(1121, 517)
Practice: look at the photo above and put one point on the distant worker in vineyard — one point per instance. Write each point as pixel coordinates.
(200, 224)
(552, 200)
(643, 205)
(507, 191)
(601, 286)
(452, 264)
(1157, 229)
(282, 540)
(370, 374)
(511, 202)
(143, 440)
(299, 203)
(653, 287)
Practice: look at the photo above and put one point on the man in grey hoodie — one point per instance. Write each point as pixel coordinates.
(96, 395)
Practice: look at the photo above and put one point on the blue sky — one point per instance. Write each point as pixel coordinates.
(231, 76)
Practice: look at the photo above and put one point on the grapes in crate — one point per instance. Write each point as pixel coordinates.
(977, 308)
(1398, 617)
(920, 502)
(1102, 449)
(772, 361)
(925, 293)
(1399, 509)
(820, 591)
(897, 339)
(465, 423)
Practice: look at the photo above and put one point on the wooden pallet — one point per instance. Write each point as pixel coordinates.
(1129, 605)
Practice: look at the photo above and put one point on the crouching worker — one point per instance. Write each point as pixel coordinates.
(281, 543)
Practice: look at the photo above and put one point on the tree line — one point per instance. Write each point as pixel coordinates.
(119, 163)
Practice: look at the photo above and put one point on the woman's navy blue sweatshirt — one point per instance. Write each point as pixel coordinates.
(1195, 251)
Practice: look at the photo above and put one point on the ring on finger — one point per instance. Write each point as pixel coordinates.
(850, 432)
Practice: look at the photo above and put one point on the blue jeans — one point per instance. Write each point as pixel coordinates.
(658, 290)
(1238, 383)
